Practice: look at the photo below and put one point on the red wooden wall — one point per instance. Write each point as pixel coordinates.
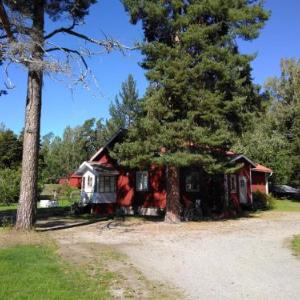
(258, 182)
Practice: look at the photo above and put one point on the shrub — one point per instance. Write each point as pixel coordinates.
(263, 201)
(9, 185)
(63, 191)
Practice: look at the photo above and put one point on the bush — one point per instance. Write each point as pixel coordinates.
(263, 201)
(9, 185)
(63, 191)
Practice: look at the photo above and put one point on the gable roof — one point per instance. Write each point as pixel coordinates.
(261, 168)
(109, 143)
(239, 157)
(95, 167)
(236, 157)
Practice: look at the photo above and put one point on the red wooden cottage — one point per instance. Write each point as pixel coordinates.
(107, 186)
(73, 180)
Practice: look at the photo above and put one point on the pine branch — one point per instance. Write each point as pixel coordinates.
(5, 22)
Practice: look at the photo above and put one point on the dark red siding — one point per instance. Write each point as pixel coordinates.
(154, 197)
(258, 182)
(75, 181)
(235, 196)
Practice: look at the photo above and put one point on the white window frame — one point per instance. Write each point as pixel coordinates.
(188, 186)
(89, 181)
(142, 181)
(83, 183)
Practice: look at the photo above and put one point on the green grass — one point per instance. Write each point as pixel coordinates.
(8, 208)
(35, 272)
(286, 205)
(296, 245)
(13, 207)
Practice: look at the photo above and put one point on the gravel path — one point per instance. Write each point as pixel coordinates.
(236, 259)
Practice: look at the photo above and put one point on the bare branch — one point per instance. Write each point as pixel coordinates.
(69, 51)
(59, 30)
(108, 44)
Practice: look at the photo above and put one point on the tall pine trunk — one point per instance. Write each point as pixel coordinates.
(173, 208)
(28, 193)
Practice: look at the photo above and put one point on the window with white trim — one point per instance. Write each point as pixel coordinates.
(141, 181)
(192, 181)
(90, 181)
(107, 184)
(233, 183)
(83, 183)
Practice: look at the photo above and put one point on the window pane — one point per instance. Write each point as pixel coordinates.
(101, 184)
(192, 182)
(112, 184)
(142, 181)
(107, 184)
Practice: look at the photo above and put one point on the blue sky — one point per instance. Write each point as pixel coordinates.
(280, 38)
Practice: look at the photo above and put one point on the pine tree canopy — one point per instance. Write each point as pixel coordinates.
(201, 93)
(56, 9)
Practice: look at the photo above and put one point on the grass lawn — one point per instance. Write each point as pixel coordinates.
(8, 208)
(286, 205)
(296, 245)
(13, 207)
(36, 272)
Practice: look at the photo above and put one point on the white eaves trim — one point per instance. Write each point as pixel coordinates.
(85, 165)
(97, 153)
(244, 157)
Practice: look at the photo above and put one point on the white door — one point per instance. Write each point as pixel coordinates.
(243, 189)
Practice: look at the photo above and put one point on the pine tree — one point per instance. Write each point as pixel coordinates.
(201, 93)
(126, 108)
(23, 41)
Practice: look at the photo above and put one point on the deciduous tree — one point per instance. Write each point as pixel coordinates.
(274, 138)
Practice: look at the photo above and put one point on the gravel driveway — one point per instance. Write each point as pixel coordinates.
(236, 259)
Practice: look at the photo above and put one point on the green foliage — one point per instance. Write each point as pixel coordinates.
(9, 185)
(10, 149)
(263, 201)
(126, 109)
(62, 191)
(62, 156)
(296, 245)
(269, 147)
(36, 272)
(286, 205)
(274, 138)
(201, 93)
(56, 9)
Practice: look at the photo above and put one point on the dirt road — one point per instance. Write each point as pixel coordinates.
(236, 259)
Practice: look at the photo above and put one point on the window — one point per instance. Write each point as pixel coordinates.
(90, 181)
(141, 182)
(232, 183)
(192, 182)
(83, 183)
(107, 184)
